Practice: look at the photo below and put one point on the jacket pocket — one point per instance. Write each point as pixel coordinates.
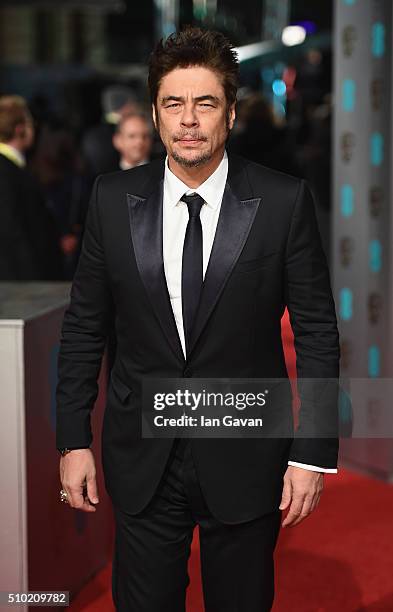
(121, 389)
(248, 265)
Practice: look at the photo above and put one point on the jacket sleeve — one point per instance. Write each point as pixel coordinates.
(313, 319)
(83, 336)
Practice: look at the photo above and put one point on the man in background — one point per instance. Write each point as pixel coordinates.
(29, 248)
(97, 147)
(133, 140)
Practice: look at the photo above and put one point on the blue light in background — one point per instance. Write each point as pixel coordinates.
(348, 95)
(349, 2)
(378, 39)
(279, 87)
(267, 74)
(375, 255)
(347, 200)
(376, 149)
(309, 26)
(345, 413)
(168, 29)
(280, 109)
(346, 304)
(374, 361)
(279, 67)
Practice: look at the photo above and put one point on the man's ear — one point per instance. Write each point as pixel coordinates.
(115, 141)
(154, 115)
(231, 115)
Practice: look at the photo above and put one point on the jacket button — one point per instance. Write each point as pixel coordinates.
(187, 372)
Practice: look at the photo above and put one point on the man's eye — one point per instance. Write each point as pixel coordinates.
(204, 104)
(172, 105)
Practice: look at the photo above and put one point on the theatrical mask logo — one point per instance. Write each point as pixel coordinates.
(346, 250)
(346, 353)
(374, 307)
(347, 146)
(376, 94)
(375, 200)
(349, 38)
(373, 413)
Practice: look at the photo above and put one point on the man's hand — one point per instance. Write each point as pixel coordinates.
(78, 472)
(302, 490)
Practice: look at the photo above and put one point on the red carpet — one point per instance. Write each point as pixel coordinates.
(339, 559)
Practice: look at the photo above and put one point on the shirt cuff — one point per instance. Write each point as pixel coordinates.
(313, 468)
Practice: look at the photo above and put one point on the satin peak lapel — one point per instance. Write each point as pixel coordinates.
(146, 232)
(234, 224)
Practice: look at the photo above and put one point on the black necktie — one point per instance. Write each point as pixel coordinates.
(192, 264)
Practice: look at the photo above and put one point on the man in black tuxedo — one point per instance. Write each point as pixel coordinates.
(28, 240)
(197, 256)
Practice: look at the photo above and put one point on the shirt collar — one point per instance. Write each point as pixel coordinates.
(210, 190)
(124, 165)
(13, 154)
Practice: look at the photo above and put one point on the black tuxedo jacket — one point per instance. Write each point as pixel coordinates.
(266, 255)
(28, 239)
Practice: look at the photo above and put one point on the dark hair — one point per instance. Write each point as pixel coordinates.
(195, 47)
(13, 112)
(132, 115)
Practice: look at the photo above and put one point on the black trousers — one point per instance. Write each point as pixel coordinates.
(152, 549)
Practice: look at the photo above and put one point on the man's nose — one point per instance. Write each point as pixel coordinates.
(189, 117)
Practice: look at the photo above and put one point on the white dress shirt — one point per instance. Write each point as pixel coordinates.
(13, 154)
(175, 219)
(125, 165)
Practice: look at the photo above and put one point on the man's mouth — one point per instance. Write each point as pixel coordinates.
(190, 140)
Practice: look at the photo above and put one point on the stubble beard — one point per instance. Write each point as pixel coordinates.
(202, 158)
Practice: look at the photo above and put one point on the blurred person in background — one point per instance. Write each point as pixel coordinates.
(133, 140)
(97, 143)
(260, 138)
(29, 248)
(59, 169)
